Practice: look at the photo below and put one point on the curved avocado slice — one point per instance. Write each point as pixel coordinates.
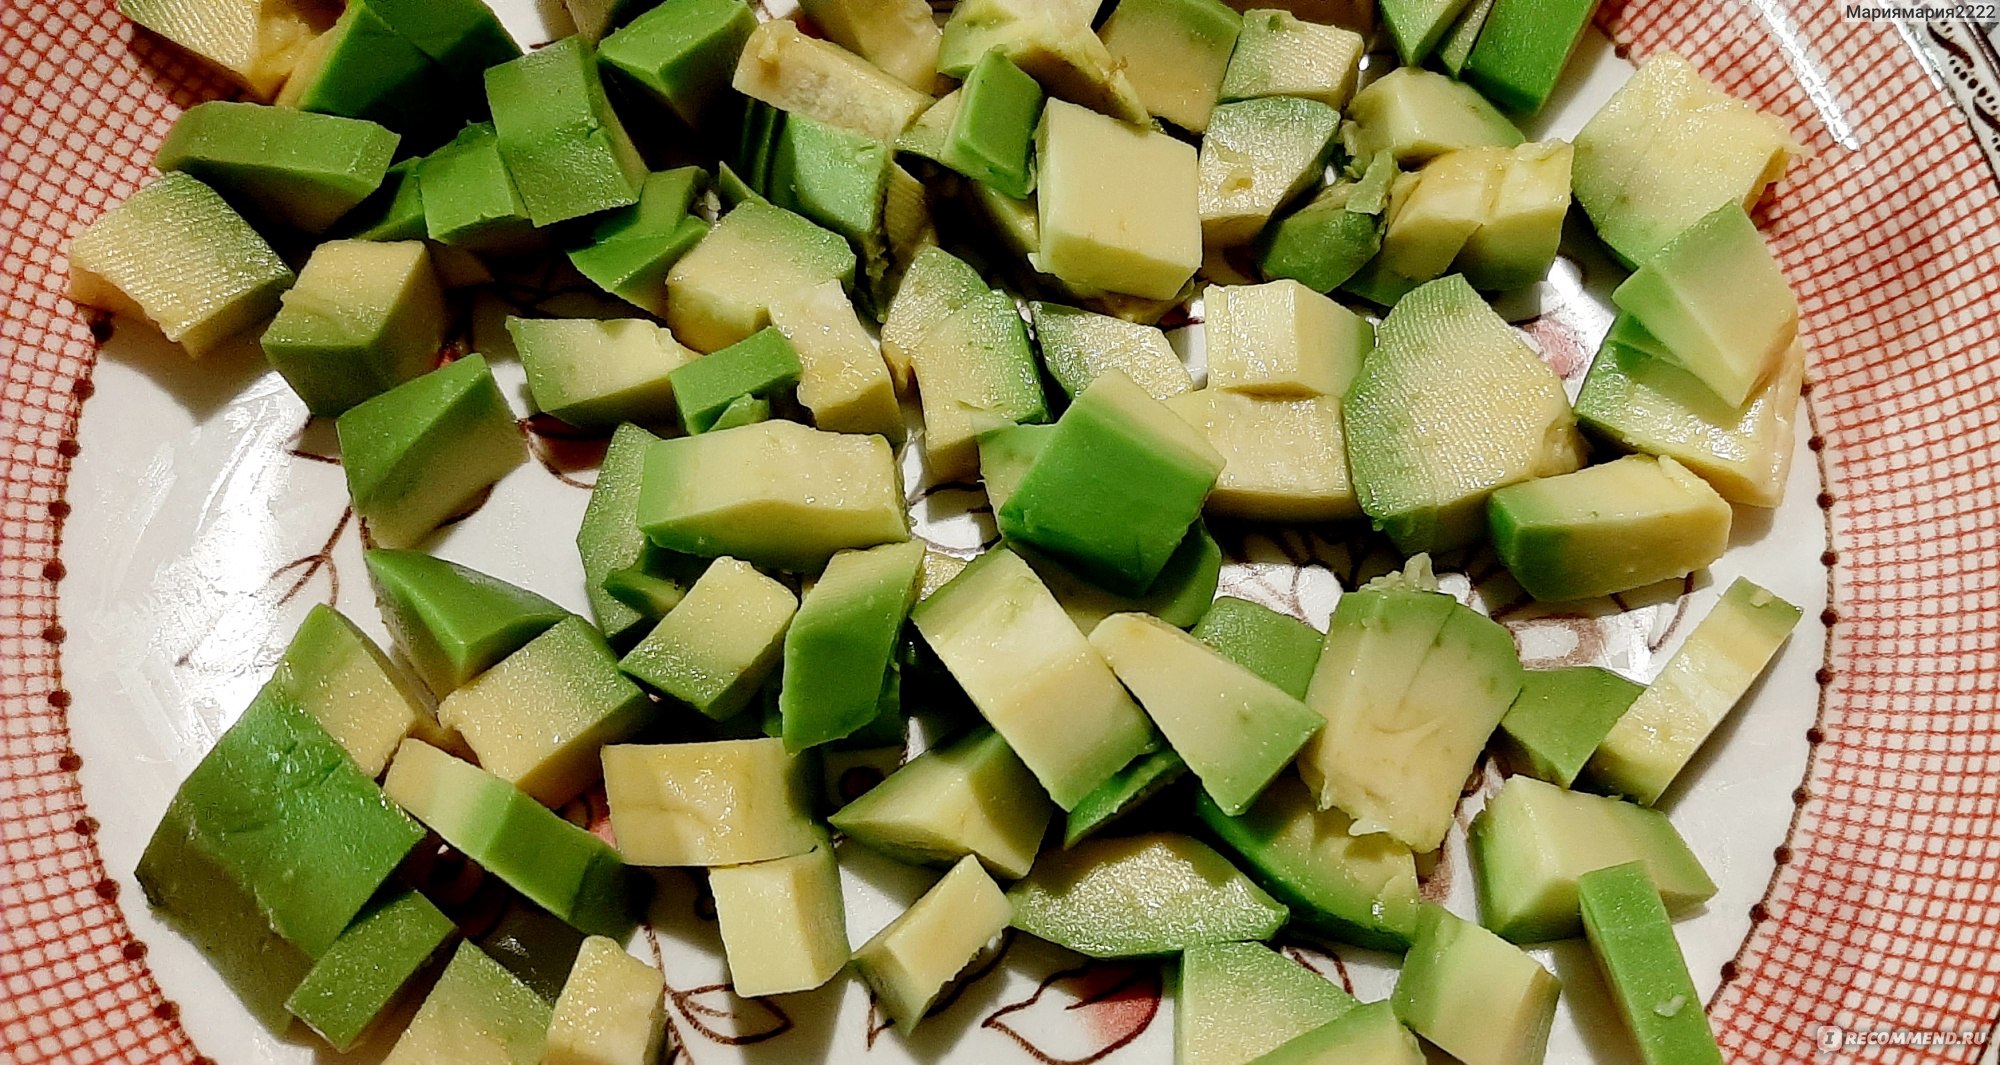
(1141, 896)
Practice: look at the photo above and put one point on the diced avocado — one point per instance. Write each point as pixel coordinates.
(631, 249)
(1235, 729)
(1005, 455)
(976, 371)
(611, 1011)
(1322, 244)
(178, 256)
(1411, 685)
(1447, 202)
(595, 19)
(1175, 53)
(1364, 1035)
(363, 68)
(1277, 647)
(1118, 204)
(657, 581)
(1049, 39)
(900, 36)
(1115, 489)
(1079, 345)
(927, 135)
(722, 291)
(775, 494)
(1456, 47)
(422, 451)
(1639, 398)
(1559, 719)
(993, 130)
(1033, 675)
(1283, 459)
(715, 649)
(1475, 995)
(804, 75)
(1238, 1001)
(972, 796)
(908, 962)
(1257, 156)
(609, 539)
(452, 622)
(597, 373)
(1633, 940)
(363, 318)
(1283, 339)
(1130, 788)
(379, 956)
(1516, 243)
(469, 199)
(1278, 54)
(463, 37)
(834, 177)
(908, 227)
(1608, 529)
(743, 410)
(534, 946)
(537, 718)
(762, 364)
(1178, 596)
(1666, 150)
(1534, 840)
(1425, 454)
(270, 848)
(563, 145)
(1141, 896)
(783, 922)
(937, 284)
(1418, 26)
(682, 53)
(394, 211)
(1360, 889)
(255, 42)
(1717, 301)
(1417, 115)
(1523, 48)
(725, 802)
(1700, 684)
(363, 700)
(843, 379)
(477, 1014)
(841, 643)
(295, 167)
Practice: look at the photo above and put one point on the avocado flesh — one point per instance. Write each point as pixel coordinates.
(1418, 26)
(631, 249)
(470, 201)
(1284, 460)
(1364, 1035)
(909, 962)
(1325, 242)
(1119, 206)
(294, 167)
(364, 701)
(843, 640)
(1256, 156)
(363, 318)
(1633, 940)
(1178, 596)
(464, 37)
(759, 366)
(362, 68)
(394, 211)
(1516, 244)
(972, 796)
(1126, 791)
(1277, 647)
(804, 75)
(477, 1014)
(1051, 40)
(900, 36)
(783, 923)
(1559, 719)
(370, 966)
(595, 373)
(1141, 896)
(1279, 54)
(1607, 529)
(611, 1010)
(843, 380)
(453, 622)
(1175, 53)
(1238, 1001)
(992, 134)
(421, 452)
(1417, 115)
(609, 538)
(722, 802)
(682, 55)
(1523, 48)
(564, 147)
(1474, 995)
(715, 648)
(255, 42)
(1078, 346)
(722, 291)
(976, 371)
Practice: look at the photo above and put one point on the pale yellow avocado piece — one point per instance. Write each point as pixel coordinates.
(900, 36)
(1282, 339)
(909, 962)
(1175, 52)
(845, 382)
(819, 79)
(1052, 42)
(971, 796)
(1419, 115)
(1700, 685)
(724, 802)
(938, 570)
(721, 291)
(610, 1012)
(1452, 198)
(784, 926)
(718, 645)
(255, 42)
(1284, 460)
(1280, 54)
(1516, 244)
(363, 700)
(1118, 204)
(477, 1014)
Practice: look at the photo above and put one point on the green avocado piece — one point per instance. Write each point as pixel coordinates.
(631, 249)
(420, 452)
(1179, 595)
(1141, 896)
(1523, 48)
(1005, 455)
(302, 169)
(469, 199)
(371, 966)
(1418, 26)
(364, 317)
(716, 647)
(611, 1010)
(565, 870)
(1625, 524)
(478, 1013)
(993, 132)
(362, 68)
(1279, 54)
(783, 923)
(682, 52)
(1633, 940)
(1175, 53)
(256, 44)
(834, 177)
(974, 365)
(1126, 791)
(970, 796)
(1456, 48)
(1257, 156)
(1277, 647)
(743, 410)
(1364, 1035)
(1078, 345)
(1533, 841)
(842, 641)
(722, 291)
(453, 622)
(609, 539)
(596, 373)
(1559, 719)
(650, 594)
(596, 19)
(463, 37)
(563, 145)
(1117, 486)
(1238, 1001)
(1476, 996)
(763, 364)
(363, 700)
(1417, 115)
(1327, 241)
(394, 211)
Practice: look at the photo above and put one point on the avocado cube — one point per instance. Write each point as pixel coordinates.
(1326, 242)
(783, 922)
(775, 494)
(631, 249)
(371, 966)
(1517, 243)
(715, 649)
(743, 410)
(927, 135)
(1522, 50)
(993, 130)
(177, 255)
(1078, 345)
(843, 640)
(453, 622)
(976, 372)
(1633, 940)
(1283, 459)
(651, 594)
(611, 1011)
(1608, 529)
(363, 700)
(908, 962)
(1418, 115)
(565, 870)
(302, 169)
(722, 291)
(420, 452)
(1115, 490)
(1052, 42)
(1438, 209)
(843, 380)
(1419, 26)
(792, 72)
(1257, 156)
(1175, 53)
(363, 318)
(563, 145)
(1178, 596)
(609, 540)
(596, 373)
(1283, 339)
(1559, 719)
(463, 37)
(469, 199)
(478, 1013)
(1277, 647)
(682, 52)
(972, 796)
(834, 177)
(1475, 995)
(537, 718)
(761, 365)
(1126, 791)
(1141, 896)
(1237, 1001)
(255, 43)
(363, 68)
(1368, 1034)
(900, 36)
(1456, 47)
(724, 802)
(394, 211)
(1279, 54)
(1534, 841)
(937, 284)
(1118, 205)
